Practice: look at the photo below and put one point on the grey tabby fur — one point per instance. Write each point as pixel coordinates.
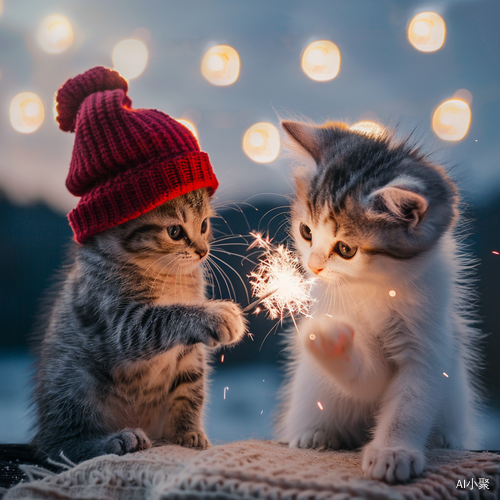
(123, 361)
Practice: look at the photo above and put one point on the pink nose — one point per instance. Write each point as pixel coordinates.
(315, 270)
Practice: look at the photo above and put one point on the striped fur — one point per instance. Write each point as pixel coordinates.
(123, 361)
(391, 352)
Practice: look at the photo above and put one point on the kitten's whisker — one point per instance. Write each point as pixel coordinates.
(168, 274)
(287, 221)
(225, 277)
(149, 267)
(229, 237)
(277, 215)
(207, 277)
(287, 207)
(233, 206)
(230, 244)
(243, 257)
(209, 263)
(274, 327)
(237, 274)
(247, 257)
(218, 216)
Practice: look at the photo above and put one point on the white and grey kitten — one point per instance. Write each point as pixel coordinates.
(123, 360)
(390, 352)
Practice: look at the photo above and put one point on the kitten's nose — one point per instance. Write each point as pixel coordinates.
(315, 270)
(201, 252)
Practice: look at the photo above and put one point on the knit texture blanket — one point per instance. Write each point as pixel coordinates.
(257, 470)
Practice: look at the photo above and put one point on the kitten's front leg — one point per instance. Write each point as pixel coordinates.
(142, 331)
(407, 413)
(357, 367)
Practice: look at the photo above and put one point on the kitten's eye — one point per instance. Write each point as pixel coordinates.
(176, 232)
(345, 251)
(305, 232)
(204, 226)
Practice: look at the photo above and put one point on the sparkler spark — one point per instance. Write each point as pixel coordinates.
(278, 280)
(222, 359)
(225, 389)
(320, 406)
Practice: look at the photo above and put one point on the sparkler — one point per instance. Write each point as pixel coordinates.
(278, 282)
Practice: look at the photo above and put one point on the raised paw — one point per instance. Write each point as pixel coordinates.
(227, 324)
(192, 439)
(392, 464)
(313, 438)
(127, 441)
(331, 339)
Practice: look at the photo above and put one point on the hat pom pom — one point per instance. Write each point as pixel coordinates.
(72, 94)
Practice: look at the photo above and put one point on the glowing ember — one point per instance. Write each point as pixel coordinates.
(446, 375)
(392, 293)
(320, 406)
(278, 280)
(495, 252)
(222, 359)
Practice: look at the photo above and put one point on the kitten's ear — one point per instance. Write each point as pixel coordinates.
(400, 204)
(308, 137)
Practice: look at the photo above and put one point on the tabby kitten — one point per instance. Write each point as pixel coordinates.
(124, 355)
(388, 359)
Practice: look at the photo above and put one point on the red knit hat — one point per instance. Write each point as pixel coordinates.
(125, 161)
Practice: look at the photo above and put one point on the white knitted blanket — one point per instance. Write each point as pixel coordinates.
(258, 470)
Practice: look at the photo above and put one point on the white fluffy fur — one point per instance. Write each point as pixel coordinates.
(377, 363)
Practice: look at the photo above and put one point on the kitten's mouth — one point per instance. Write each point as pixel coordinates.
(330, 277)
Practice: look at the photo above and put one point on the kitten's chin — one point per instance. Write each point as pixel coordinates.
(189, 265)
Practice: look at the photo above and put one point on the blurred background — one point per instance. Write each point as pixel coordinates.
(231, 69)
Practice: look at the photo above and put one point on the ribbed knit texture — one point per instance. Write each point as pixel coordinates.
(257, 470)
(125, 161)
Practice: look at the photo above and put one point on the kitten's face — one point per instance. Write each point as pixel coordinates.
(368, 208)
(173, 238)
(329, 249)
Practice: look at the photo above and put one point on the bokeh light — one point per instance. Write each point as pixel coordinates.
(321, 60)
(261, 142)
(26, 112)
(451, 120)
(221, 65)
(427, 31)
(190, 126)
(371, 129)
(130, 58)
(54, 34)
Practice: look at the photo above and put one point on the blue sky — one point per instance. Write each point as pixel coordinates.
(382, 77)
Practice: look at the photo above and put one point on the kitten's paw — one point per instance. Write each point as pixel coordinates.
(331, 340)
(392, 464)
(192, 439)
(313, 438)
(228, 325)
(127, 441)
